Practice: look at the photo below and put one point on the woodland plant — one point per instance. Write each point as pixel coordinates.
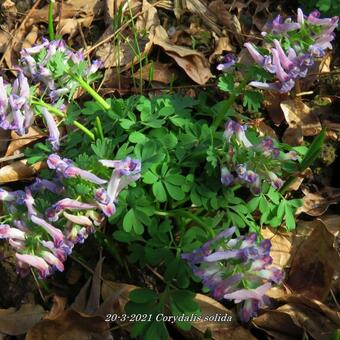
(180, 187)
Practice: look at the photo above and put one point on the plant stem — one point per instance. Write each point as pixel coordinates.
(60, 113)
(98, 98)
(50, 20)
(229, 103)
(84, 129)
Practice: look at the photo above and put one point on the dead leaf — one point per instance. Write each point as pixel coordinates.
(263, 128)
(299, 116)
(194, 63)
(272, 101)
(317, 203)
(71, 26)
(223, 45)
(281, 246)
(84, 320)
(19, 142)
(16, 322)
(19, 170)
(70, 325)
(227, 330)
(314, 263)
(160, 72)
(299, 315)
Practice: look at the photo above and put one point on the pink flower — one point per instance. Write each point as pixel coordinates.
(34, 261)
(56, 234)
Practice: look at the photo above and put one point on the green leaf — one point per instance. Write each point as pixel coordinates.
(290, 220)
(174, 191)
(137, 137)
(130, 222)
(253, 203)
(149, 177)
(159, 191)
(143, 295)
(314, 150)
(226, 82)
(253, 100)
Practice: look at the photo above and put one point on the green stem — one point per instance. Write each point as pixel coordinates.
(99, 99)
(60, 113)
(84, 129)
(50, 108)
(50, 20)
(229, 103)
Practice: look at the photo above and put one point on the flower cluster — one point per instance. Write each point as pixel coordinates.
(15, 110)
(43, 233)
(251, 164)
(51, 63)
(238, 269)
(294, 45)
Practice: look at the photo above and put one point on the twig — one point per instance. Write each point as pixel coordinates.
(335, 300)
(11, 158)
(38, 286)
(121, 28)
(11, 41)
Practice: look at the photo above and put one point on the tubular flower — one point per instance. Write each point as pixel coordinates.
(236, 269)
(34, 261)
(40, 68)
(263, 160)
(294, 62)
(53, 130)
(228, 61)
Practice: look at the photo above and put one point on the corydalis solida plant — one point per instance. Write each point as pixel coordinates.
(43, 237)
(252, 164)
(238, 269)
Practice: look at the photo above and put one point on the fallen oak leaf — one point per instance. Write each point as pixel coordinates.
(19, 170)
(314, 263)
(299, 117)
(18, 142)
(16, 322)
(192, 62)
(298, 316)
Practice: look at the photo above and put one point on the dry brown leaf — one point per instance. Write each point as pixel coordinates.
(16, 322)
(314, 263)
(194, 63)
(19, 142)
(69, 325)
(160, 72)
(299, 118)
(71, 26)
(272, 101)
(218, 9)
(297, 316)
(263, 128)
(316, 204)
(227, 330)
(4, 38)
(223, 45)
(281, 246)
(19, 170)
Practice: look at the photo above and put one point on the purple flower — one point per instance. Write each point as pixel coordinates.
(229, 60)
(73, 171)
(54, 137)
(29, 201)
(95, 66)
(264, 61)
(6, 232)
(279, 26)
(276, 182)
(226, 177)
(34, 261)
(52, 260)
(67, 203)
(229, 266)
(55, 233)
